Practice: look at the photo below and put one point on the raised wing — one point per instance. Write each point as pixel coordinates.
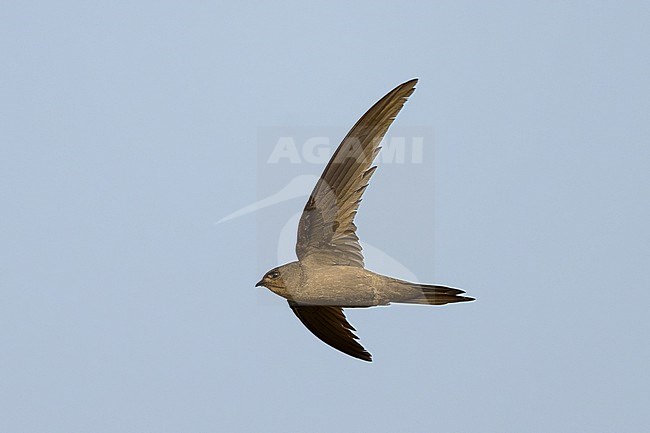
(330, 325)
(326, 226)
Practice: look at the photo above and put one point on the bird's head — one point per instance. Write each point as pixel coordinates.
(272, 280)
(282, 280)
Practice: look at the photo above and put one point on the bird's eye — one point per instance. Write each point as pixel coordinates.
(273, 274)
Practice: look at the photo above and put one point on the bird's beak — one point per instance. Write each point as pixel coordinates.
(260, 283)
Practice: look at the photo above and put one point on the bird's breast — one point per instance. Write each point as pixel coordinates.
(337, 285)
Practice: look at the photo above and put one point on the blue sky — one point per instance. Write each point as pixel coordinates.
(128, 130)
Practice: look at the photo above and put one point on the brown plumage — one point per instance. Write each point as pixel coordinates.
(329, 274)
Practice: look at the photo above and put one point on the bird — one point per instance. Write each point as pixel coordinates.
(330, 274)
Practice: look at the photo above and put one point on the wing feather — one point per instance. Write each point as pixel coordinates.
(330, 326)
(326, 226)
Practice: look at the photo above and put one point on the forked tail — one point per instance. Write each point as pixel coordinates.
(428, 294)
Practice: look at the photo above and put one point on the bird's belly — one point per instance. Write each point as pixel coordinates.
(347, 298)
(338, 286)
